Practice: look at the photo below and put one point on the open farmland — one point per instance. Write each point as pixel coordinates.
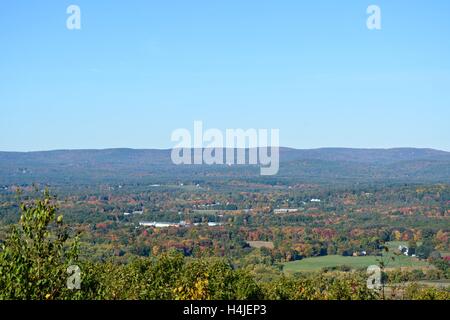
(318, 263)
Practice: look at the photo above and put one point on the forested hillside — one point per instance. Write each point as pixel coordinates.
(318, 165)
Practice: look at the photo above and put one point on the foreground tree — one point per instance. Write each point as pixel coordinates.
(35, 257)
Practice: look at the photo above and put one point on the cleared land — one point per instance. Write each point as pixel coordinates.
(317, 263)
(261, 244)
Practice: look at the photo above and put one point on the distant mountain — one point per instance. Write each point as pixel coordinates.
(327, 165)
(365, 155)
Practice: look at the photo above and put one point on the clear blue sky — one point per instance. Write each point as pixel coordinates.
(137, 70)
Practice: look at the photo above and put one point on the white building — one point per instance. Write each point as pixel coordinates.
(158, 224)
(214, 224)
(404, 250)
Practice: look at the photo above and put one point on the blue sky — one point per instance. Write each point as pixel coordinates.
(137, 70)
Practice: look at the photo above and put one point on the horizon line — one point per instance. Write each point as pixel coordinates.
(169, 149)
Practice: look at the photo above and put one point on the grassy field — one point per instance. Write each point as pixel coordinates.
(261, 244)
(317, 263)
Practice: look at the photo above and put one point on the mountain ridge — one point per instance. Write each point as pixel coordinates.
(326, 165)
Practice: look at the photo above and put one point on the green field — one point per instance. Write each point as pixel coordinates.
(317, 263)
